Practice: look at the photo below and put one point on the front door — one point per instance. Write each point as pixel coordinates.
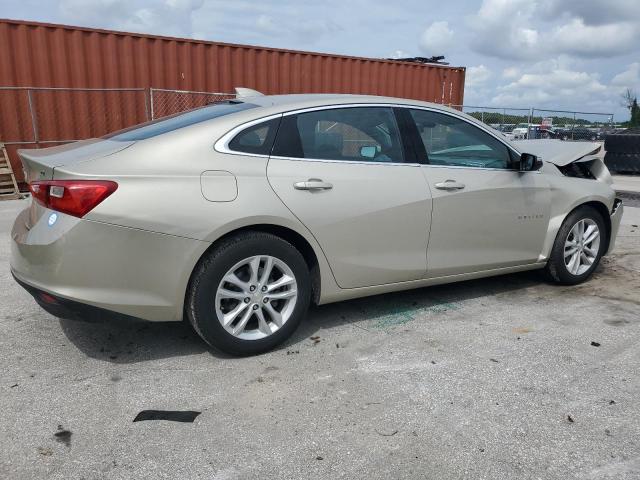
(341, 171)
(486, 213)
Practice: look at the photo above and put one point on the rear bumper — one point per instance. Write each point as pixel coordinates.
(616, 217)
(69, 309)
(83, 263)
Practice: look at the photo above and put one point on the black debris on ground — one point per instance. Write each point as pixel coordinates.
(185, 416)
(63, 436)
(386, 433)
(595, 344)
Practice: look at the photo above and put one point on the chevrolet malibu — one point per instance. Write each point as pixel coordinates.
(236, 216)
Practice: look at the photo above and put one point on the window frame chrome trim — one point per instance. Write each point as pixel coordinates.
(222, 144)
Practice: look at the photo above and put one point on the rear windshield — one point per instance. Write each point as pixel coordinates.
(179, 120)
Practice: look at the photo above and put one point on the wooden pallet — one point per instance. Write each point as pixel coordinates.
(8, 185)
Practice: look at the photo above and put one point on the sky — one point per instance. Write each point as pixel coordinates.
(555, 54)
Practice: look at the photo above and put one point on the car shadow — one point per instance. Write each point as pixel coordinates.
(125, 341)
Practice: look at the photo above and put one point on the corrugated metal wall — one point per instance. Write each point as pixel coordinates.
(42, 55)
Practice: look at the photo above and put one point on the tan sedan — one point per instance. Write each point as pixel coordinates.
(237, 215)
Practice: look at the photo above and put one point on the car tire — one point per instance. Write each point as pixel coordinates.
(560, 268)
(208, 306)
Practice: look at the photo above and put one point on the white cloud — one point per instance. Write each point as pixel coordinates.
(532, 29)
(477, 76)
(595, 40)
(437, 39)
(511, 72)
(630, 78)
(593, 12)
(170, 17)
(400, 54)
(547, 84)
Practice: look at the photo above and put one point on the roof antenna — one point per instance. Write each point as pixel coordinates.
(242, 92)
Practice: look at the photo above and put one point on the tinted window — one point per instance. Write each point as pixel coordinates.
(174, 122)
(351, 134)
(256, 139)
(449, 140)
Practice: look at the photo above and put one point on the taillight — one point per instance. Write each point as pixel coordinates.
(73, 197)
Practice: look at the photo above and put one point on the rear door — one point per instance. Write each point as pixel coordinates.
(486, 213)
(341, 171)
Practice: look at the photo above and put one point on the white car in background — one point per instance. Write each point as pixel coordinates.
(521, 131)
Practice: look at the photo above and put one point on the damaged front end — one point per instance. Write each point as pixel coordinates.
(572, 159)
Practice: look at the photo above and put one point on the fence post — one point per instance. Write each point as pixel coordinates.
(574, 125)
(529, 120)
(147, 103)
(34, 120)
(151, 102)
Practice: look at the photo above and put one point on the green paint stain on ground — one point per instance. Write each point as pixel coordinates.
(400, 315)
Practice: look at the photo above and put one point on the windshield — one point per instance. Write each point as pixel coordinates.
(179, 120)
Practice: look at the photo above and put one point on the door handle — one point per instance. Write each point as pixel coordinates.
(313, 184)
(449, 185)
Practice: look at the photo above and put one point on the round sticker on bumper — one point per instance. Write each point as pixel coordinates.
(53, 218)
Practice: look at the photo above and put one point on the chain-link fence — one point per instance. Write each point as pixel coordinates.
(44, 116)
(536, 123)
(168, 102)
(509, 121)
(58, 115)
(566, 125)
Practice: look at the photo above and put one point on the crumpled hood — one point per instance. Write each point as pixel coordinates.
(558, 152)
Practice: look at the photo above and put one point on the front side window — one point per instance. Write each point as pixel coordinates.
(349, 134)
(452, 141)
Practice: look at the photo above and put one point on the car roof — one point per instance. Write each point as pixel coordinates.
(296, 101)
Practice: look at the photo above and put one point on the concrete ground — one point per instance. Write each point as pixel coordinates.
(498, 378)
(627, 183)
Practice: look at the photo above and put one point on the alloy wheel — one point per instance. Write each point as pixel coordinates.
(256, 297)
(581, 246)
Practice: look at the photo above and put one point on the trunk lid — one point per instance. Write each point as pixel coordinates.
(39, 164)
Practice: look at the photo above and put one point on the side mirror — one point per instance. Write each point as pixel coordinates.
(529, 162)
(368, 152)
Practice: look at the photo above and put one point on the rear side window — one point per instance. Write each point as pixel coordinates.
(257, 139)
(179, 120)
(349, 134)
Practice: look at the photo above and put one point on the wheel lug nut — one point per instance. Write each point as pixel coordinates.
(265, 300)
(264, 289)
(255, 307)
(252, 288)
(247, 300)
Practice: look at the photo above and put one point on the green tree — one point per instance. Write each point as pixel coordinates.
(635, 114)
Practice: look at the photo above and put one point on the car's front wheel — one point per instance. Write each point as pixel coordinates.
(249, 294)
(578, 248)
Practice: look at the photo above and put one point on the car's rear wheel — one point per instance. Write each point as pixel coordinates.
(249, 294)
(578, 248)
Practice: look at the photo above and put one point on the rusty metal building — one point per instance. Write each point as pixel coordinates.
(47, 56)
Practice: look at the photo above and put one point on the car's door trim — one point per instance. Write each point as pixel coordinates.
(222, 144)
(357, 162)
(468, 167)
